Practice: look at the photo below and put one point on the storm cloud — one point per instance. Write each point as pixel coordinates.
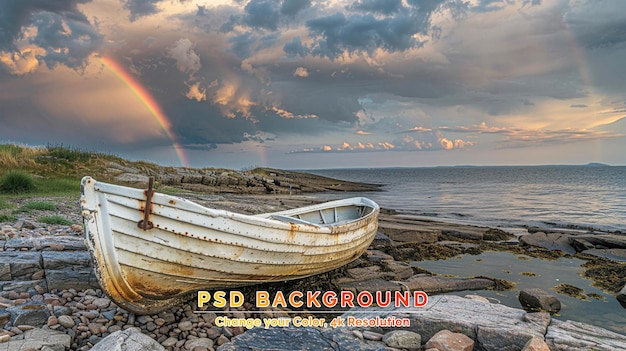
(318, 77)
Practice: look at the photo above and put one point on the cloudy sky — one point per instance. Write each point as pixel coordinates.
(318, 84)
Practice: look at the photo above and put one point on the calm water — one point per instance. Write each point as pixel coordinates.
(512, 197)
(600, 309)
(546, 196)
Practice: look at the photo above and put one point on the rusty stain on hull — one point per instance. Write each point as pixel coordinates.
(191, 247)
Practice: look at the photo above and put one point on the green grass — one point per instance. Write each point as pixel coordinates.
(69, 153)
(55, 220)
(4, 204)
(7, 218)
(59, 186)
(16, 182)
(35, 205)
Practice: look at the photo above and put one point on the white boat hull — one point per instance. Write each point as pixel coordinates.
(191, 247)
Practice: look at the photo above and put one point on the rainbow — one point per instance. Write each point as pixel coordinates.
(146, 98)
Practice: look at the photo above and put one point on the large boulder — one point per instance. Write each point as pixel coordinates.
(446, 340)
(128, 340)
(539, 299)
(30, 313)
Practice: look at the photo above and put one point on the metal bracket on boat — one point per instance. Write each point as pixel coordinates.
(145, 224)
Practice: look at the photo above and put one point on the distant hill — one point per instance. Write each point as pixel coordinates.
(596, 164)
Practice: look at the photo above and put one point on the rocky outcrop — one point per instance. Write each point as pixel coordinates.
(211, 180)
(610, 246)
(445, 320)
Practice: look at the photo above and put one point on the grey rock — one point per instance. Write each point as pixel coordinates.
(477, 298)
(131, 178)
(59, 242)
(169, 342)
(128, 340)
(57, 260)
(53, 348)
(123, 168)
(18, 243)
(66, 321)
(618, 255)
(403, 339)
(200, 342)
(377, 256)
(79, 279)
(571, 335)
(303, 338)
(5, 271)
(552, 241)
(377, 284)
(486, 323)
(37, 339)
(611, 241)
(398, 270)
(19, 286)
(539, 299)
(440, 285)
(621, 296)
(381, 242)
(581, 244)
(61, 311)
(185, 325)
(403, 234)
(364, 273)
(540, 320)
(22, 264)
(30, 313)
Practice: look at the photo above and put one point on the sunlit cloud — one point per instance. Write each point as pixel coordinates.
(196, 92)
(301, 72)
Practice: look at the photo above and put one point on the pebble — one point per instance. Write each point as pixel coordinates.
(89, 315)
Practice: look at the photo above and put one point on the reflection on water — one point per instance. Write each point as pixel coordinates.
(601, 310)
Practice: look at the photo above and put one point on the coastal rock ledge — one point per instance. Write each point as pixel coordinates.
(492, 327)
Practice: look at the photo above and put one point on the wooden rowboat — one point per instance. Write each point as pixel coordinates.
(151, 250)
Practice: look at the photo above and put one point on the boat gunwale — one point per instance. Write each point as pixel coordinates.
(259, 219)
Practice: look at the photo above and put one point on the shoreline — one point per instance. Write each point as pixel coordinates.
(384, 263)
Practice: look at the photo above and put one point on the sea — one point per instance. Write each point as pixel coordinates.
(575, 197)
(584, 198)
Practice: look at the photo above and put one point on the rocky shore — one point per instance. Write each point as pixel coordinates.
(50, 300)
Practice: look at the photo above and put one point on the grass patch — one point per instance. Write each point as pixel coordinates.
(68, 153)
(55, 220)
(36, 205)
(7, 218)
(16, 182)
(60, 186)
(4, 204)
